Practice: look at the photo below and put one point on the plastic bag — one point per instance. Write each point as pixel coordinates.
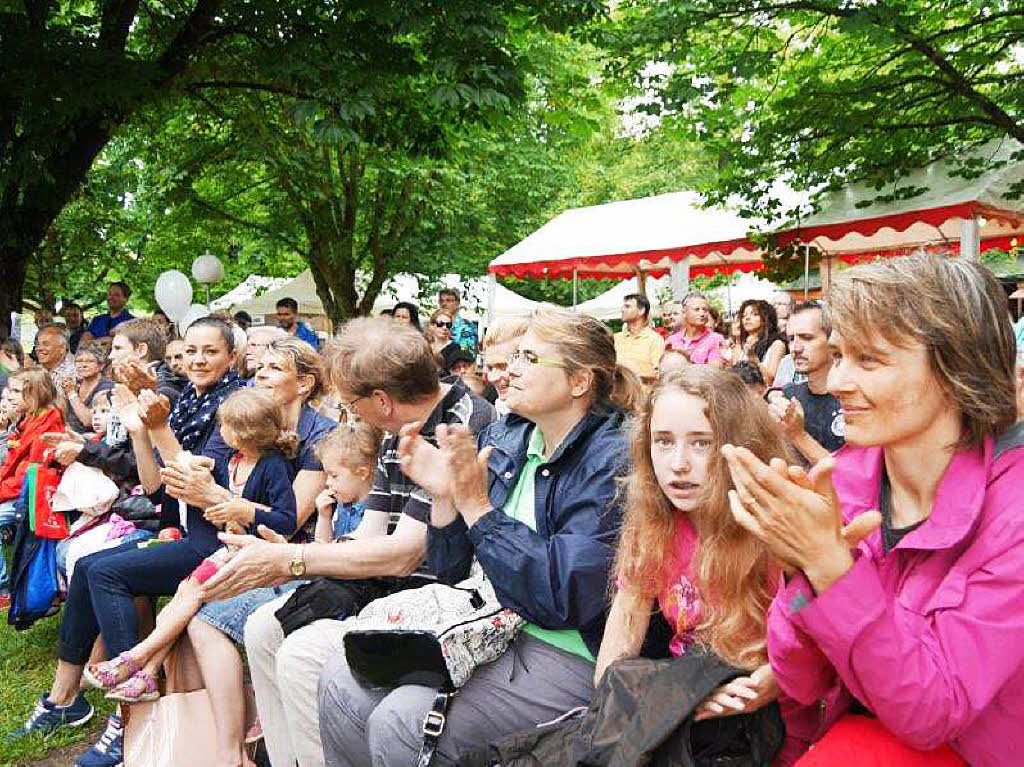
(85, 489)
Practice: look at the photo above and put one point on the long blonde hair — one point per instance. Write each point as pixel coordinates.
(735, 573)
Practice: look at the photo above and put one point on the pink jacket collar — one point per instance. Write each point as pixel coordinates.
(958, 501)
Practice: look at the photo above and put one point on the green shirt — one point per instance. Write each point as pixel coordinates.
(521, 507)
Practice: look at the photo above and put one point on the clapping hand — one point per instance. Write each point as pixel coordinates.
(125, 406)
(795, 514)
(789, 414)
(136, 376)
(467, 469)
(153, 409)
(422, 462)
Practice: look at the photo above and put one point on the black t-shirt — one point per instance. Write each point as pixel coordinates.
(823, 418)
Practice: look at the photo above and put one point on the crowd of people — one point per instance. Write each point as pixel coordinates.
(820, 495)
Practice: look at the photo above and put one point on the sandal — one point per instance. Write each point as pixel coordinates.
(139, 688)
(254, 734)
(108, 674)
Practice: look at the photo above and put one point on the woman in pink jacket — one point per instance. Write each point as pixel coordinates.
(919, 628)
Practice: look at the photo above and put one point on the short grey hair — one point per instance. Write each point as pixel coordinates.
(693, 295)
(57, 330)
(272, 330)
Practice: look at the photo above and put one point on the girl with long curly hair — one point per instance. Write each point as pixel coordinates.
(680, 546)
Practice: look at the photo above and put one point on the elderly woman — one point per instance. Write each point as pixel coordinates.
(920, 624)
(292, 370)
(89, 364)
(541, 520)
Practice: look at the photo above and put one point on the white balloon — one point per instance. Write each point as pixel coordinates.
(207, 269)
(173, 294)
(194, 312)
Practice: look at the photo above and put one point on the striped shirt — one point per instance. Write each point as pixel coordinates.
(392, 491)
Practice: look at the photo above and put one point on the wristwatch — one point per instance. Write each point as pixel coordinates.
(297, 567)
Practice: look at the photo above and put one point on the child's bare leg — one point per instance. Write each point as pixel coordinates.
(223, 678)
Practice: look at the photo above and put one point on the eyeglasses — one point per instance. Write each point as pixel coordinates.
(529, 357)
(442, 324)
(347, 406)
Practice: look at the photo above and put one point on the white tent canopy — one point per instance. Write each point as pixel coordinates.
(402, 287)
(608, 305)
(618, 238)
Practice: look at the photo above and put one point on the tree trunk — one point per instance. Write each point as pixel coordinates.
(14, 264)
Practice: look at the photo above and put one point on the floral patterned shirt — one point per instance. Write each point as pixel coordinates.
(680, 601)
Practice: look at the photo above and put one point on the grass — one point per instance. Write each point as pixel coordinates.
(27, 662)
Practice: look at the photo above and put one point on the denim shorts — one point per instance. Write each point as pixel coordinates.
(230, 615)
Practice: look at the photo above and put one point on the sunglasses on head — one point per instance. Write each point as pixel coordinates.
(441, 324)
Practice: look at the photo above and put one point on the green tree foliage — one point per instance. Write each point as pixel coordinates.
(261, 173)
(819, 93)
(74, 72)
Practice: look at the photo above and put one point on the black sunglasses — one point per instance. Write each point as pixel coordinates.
(442, 324)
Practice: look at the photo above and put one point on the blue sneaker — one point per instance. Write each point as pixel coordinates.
(109, 749)
(47, 717)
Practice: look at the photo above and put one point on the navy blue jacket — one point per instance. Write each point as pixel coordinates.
(556, 576)
(269, 484)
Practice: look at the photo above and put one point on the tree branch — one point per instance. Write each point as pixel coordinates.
(247, 85)
(272, 233)
(957, 83)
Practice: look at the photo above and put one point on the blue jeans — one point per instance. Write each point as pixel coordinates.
(8, 518)
(102, 592)
(63, 546)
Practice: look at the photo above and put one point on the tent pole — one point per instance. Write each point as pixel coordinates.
(641, 282)
(970, 238)
(807, 268)
(680, 277)
(575, 286)
(492, 289)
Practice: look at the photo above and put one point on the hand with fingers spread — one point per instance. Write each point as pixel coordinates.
(153, 408)
(136, 376)
(422, 462)
(468, 471)
(256, 562)
(789, 414)
(743, 695)
(800, 522)
(54, 438)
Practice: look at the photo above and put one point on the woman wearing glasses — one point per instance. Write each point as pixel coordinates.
(439, 334)
(541, 519)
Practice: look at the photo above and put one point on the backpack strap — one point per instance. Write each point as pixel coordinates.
(1009, 439)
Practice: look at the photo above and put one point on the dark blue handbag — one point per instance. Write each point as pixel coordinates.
(34, 585)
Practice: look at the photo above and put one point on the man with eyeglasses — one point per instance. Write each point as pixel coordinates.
(385, 375)
(782, 302)
(810, 417)
(258, 340)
